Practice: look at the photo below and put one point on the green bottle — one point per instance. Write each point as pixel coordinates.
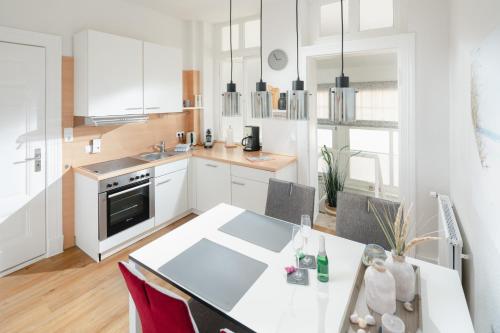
(322, 261)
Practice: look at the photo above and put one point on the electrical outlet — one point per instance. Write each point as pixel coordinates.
(96, 146)
(180, 134)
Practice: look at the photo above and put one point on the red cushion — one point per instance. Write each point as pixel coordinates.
(136, 287)
(170, 314)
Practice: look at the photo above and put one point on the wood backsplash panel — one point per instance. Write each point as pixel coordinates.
(117, 142)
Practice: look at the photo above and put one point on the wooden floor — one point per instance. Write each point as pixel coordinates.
(72, 293)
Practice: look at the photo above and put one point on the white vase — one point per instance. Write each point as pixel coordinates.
(380, 288)
(405, 277)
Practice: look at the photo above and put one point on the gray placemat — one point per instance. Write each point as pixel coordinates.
(264, 231)
(214, 272)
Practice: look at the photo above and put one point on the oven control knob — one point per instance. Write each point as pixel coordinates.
(147, 175)
(109, 185)
(142, 176)
(136, 177)
(115, 184)
(132, 179)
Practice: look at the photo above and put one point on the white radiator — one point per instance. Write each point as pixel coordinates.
(450, 242)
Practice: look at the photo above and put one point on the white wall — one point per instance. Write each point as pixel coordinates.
(429, 20)
(474, 190)
(366, 73)
(66, 17)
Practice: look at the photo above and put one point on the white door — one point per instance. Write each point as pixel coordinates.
(170, 196)
(22, 138)
(162, 79)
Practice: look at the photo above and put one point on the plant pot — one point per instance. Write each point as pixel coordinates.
(380, 288)
(405, 277)
(330, 210)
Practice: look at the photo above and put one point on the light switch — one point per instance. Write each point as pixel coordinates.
(68, 134)
(96, 146)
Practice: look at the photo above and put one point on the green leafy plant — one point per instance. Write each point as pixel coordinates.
(334, 176)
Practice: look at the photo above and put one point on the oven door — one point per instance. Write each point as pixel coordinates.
(125, 207)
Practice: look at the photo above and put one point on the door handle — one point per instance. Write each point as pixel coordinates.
(163, 182)
(37, 158)
(131, 109)
(238, 183)
(211, 165)
(153, 108)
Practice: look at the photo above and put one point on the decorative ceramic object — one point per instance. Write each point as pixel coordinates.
(380, 288)
(405, 277)
(370, 320)
(361, 323)
(392, 324)
(408, 306)
(354, 318)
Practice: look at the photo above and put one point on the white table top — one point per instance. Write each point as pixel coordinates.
(272, 305)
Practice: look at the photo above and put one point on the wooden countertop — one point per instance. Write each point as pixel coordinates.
(239, 157)
(218, 153)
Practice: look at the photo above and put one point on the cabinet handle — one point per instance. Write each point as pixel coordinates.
(211, 165)
(131, 109)
(153, 108)
(238, 183)
(164, 182)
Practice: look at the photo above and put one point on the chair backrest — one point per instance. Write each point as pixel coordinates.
(358, 223)
(288, 201)
(159, 309)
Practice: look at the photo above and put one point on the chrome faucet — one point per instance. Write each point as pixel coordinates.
(161, 146)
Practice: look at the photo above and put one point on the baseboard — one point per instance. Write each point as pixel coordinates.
(21, 266)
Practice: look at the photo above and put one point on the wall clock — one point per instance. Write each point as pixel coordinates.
(277, 59)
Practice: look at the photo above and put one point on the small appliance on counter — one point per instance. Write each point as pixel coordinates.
(251, 141)
(191, 138)
(209, 139)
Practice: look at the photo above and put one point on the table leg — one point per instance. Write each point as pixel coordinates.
(133, 316)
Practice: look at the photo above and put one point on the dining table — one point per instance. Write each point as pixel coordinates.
(226, 259)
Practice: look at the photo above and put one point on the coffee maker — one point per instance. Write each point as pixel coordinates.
(251, 141)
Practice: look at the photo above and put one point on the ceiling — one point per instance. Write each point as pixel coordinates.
(203, 10)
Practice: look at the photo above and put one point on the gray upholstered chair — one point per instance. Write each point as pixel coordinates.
(288, 201)
(356, 222)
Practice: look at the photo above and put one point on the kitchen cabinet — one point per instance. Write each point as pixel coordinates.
(171, 196)
(108, 74)
(249, 194)
(162, 79)
(171, 191)
(213, 183)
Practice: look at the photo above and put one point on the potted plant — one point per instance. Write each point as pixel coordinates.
(396, 229)
(334, 176)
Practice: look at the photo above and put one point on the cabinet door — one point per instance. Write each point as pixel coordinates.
(170, 196)
(213, 184)
(114, 75)
(162, 79)
(249, 194)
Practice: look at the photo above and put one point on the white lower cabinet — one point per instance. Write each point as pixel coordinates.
(171, 196)
(213, 183)
(249, 194)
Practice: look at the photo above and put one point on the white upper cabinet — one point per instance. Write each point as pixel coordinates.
(108, 74)
(162, 79)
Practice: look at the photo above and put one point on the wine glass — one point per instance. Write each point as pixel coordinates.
(297, 244)
(305, 223)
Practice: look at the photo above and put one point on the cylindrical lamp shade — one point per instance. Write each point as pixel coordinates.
(231, 104)
(343, 105)
(262, 104)
(297, 105)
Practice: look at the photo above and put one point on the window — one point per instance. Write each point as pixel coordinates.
(377, 101)
(225, 46)
(375, 14)
(330, 23)
(252, 34)
(322, 102)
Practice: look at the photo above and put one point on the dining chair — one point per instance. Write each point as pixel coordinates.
(161, 310)
(288, 201)
(357, 222)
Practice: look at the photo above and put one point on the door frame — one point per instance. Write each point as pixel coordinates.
(404, 46)
(53, 134)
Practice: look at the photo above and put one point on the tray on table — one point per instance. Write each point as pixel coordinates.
(357, 303)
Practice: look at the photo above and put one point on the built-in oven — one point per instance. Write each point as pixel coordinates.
(125, 201)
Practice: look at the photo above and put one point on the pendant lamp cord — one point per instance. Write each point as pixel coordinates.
(342, 31)
(260, 40)
(231, 36)
(297, 34)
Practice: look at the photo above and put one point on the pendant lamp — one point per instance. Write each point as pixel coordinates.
(261, 98)
(342, 97)
(231, 98)
(297, 98)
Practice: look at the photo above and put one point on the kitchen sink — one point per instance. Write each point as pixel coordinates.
(157, 156)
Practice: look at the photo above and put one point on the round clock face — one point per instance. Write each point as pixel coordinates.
(277, 59)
